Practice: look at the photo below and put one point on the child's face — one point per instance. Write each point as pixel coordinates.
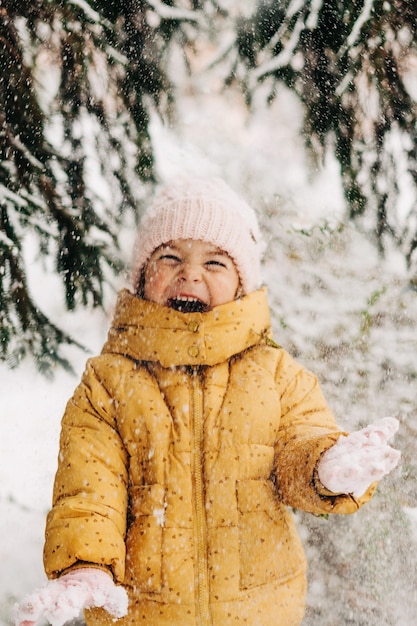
(190, 275)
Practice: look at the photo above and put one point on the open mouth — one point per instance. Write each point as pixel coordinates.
(188, 305)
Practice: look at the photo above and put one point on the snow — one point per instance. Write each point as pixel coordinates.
(59, 602)
(347, 314)
(358, 459)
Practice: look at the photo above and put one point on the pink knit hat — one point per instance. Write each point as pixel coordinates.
(205, 210)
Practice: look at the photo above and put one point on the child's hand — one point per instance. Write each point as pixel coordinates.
(64, 598)
(361, 458)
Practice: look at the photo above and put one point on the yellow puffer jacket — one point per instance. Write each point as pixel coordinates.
(180, 450)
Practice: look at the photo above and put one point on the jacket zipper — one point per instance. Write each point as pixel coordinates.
(202, 588)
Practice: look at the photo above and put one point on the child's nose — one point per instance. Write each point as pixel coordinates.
(191, 272)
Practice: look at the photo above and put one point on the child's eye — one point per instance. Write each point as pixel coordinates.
(170, 257)
(215, 263)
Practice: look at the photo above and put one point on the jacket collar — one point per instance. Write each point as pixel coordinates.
(146, 331)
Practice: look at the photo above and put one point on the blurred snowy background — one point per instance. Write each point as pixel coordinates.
(344, 311)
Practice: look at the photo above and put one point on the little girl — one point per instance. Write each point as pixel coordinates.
(188, 438)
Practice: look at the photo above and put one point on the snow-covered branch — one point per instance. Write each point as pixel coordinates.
(90, 13)
(173, 13)
(282, 59)
(357, 27)
(295, 7)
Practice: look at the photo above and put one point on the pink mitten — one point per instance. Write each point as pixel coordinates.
(64, 598)
(359, 459)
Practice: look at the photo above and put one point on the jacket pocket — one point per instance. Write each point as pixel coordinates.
(144, 538)
(269, 546)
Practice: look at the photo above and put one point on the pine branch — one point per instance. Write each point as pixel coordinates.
(347, 55)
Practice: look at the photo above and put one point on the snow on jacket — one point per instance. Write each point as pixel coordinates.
(180, 451)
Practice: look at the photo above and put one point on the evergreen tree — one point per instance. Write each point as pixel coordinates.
(78, 82)
(75, 77)
(347, 63)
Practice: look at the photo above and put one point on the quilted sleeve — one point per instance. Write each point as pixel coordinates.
(307, 429)
(87, 523)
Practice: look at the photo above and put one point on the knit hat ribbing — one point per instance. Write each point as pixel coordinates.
(206, 210)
